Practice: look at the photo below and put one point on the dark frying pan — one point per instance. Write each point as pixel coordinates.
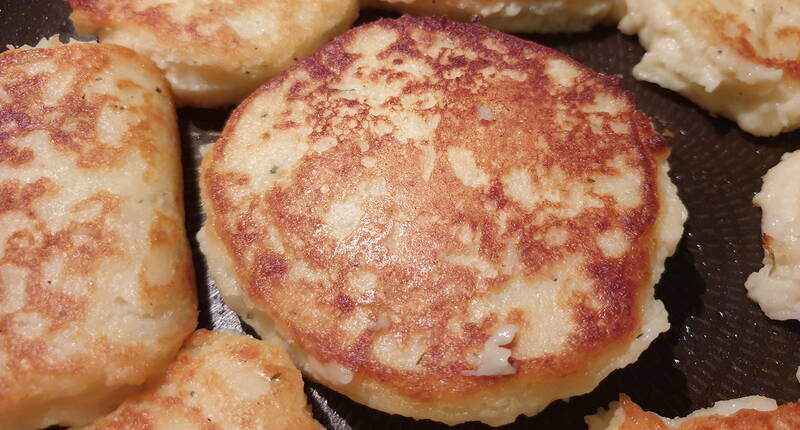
(720, 345)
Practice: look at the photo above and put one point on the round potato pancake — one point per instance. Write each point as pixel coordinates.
(96, 282)
(220, 381)
(739, 59)
(443, 221)
(754, 412)
(526, 16)
(215, 52)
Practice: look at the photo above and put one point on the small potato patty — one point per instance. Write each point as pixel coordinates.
(220, 381)
(96, 282)
(216, 52)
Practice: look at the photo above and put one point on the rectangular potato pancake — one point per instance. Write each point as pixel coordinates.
(96, 281)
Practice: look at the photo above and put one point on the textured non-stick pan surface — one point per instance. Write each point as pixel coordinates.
(720, 345)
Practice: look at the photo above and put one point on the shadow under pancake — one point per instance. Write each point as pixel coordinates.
(198, 128)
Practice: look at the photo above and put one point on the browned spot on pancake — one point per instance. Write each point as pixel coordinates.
(15, 195)
(10, 154)
(269, 268)
(163, 231)
(496, 194)
(246, 353)
(408, 224)
(344, 303)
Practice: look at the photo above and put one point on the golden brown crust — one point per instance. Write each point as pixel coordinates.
(67, 226)
(407, 232)
(784, 417)
(189, 36)
(199, 389)
(73, 127)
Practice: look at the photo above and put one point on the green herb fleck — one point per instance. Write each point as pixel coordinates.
(273, 170)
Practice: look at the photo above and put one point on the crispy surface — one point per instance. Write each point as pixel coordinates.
(728, 415)
(776, 287)
(736, 58)
(96, 282)
(394, 200)
(529, 16)
(220, 381)
(215, 52)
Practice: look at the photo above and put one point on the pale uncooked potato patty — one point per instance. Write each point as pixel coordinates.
(739, 59)
(776, 287)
